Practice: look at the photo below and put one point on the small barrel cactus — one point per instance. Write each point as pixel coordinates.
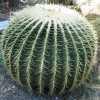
(49, 48)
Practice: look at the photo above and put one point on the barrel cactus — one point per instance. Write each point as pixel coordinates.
(65, 2)
(49, 48)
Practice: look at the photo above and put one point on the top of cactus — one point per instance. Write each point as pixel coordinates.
(48, 12)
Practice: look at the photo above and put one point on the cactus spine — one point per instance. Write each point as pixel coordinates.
(49, 48)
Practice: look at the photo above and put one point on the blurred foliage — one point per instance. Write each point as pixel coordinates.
(33, 2)
(75, 7)
(65, 2)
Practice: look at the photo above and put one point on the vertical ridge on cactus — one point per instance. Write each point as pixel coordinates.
(49, 49)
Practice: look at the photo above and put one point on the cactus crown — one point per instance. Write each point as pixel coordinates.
(47, 12)
(49, 48)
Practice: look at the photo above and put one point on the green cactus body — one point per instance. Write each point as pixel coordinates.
(49, 48)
